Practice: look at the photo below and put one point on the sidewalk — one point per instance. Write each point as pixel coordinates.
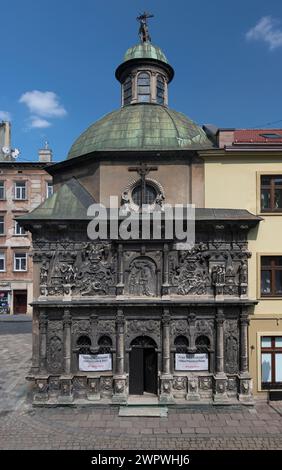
(15, 318)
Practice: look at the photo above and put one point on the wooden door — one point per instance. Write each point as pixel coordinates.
(150, 370)
(136, 375)
(20, 301)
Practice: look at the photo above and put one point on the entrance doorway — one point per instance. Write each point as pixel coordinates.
(143, 368)
(20, 301)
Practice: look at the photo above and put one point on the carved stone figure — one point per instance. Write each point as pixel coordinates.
(142, 277)
(44, 272)
(179, 383)
(231, 354)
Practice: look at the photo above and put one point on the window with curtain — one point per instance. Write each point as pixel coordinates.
(271, 362)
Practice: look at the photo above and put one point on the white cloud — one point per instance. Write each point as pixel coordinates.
(39, 123)
(267, 30)
(5, 116)
(43, 103)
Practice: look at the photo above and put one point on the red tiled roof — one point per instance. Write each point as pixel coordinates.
(254, 136)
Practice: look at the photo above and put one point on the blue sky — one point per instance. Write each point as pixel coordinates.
(58, 59)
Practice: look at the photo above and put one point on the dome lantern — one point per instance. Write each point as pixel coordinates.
(145, 71)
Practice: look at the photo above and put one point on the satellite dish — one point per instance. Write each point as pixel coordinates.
(15, 153)
(6, 150)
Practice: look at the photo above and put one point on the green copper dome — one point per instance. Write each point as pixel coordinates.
(146, 50)
(141, 127)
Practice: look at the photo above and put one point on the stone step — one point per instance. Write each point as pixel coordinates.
(150, 411)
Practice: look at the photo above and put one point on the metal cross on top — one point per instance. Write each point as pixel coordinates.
(143, 30)
(143, 170)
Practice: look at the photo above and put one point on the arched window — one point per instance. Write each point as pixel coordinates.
(202, 344)
(181, 344)
(105, 345)
(149, 196)
(160, 90)
(127, 91)
(143, 87)
(84, 344)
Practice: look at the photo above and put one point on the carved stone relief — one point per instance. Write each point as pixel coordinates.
(231, 355)
(142, 277)
(90, 270)
(55, 348)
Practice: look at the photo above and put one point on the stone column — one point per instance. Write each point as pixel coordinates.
(120, 389)
(120, 284)
(219, 342)
(246, 383)
(120, 343)
(244, 323)
(35, 343)
(67, 341)
(166, 377)
(43, 320)
(220, 379)
(165, 286)
(166, 342)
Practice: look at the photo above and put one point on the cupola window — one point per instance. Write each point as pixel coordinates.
(143, 86)
(149, 196)
(127, 91)
(160, 90)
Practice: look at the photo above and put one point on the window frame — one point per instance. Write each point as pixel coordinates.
(149, 95)
(22, 189)
(160, 77)
(2, 224)
(21, 234)
(126, 86)
(271, 188)
(26, 260)
(48, 185)
(4, 261)
(2, 182)
(272, 350)
(273, 269)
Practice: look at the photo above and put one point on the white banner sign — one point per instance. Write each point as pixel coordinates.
(191, 362)
(93, 363)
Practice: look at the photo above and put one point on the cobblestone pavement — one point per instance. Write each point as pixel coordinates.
(25, 427)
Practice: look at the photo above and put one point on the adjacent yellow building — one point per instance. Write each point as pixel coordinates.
(245, 172)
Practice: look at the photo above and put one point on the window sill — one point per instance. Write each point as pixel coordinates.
(20, 199)
(270, 297)
(270, 213)
(20, 235)
(20, 270)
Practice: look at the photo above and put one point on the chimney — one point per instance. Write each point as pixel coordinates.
(46, 154)
(5, 136)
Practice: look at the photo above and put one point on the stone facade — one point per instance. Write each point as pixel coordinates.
(104, 296)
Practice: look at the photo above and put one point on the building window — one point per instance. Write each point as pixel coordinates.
(84, 344)
(149, 196)
(2, 262)
(202, 344)
(2, 190)
(271, 362)
(105, 345)
(271, 276)
(181, 344)
(2, 225)
(49, 189)
(160, 90)
(127, 91)
(271, 193)
(143, 87)
(18, 230)
(20, 262)
(20, 190)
